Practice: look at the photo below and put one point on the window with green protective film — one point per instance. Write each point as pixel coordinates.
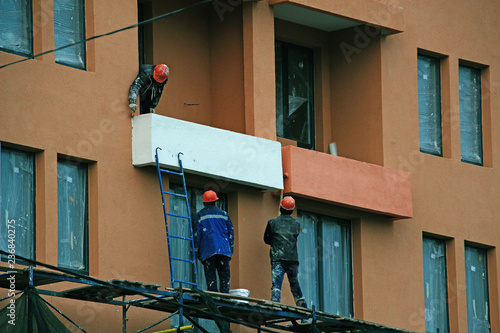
(69, 28)
(471, 132)
(476, 284)
(17, 204)
(325, 263)
(72, 213)
(16, 27)
(429, 105)
(435, 285)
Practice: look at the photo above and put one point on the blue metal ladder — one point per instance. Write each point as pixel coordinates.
(167, 215)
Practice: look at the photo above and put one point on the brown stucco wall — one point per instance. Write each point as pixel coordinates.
(222, 75)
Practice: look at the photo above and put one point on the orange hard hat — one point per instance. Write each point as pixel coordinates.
(209, 196)
(288, 203)
(161, 72)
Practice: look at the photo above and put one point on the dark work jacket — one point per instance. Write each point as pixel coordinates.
(281, 233)
(146, 86)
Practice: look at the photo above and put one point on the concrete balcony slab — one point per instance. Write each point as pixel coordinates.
(207, 151)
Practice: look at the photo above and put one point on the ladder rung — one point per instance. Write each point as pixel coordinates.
(177, 215)
(185, 282)
(184, 260)
(172, 172)
(180, 237)
(176, 194)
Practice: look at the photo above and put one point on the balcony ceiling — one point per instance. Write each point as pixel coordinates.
(312, 18)
(332, 15)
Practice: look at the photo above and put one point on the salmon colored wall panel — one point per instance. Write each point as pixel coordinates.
(226, 55)
(182, 41)
(347, 182)
(373, 104)
(356, 95)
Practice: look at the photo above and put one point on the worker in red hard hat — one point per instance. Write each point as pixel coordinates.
(148, 85)
(282, 233)
(214, 242)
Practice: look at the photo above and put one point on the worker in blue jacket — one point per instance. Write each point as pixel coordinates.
(214, 242)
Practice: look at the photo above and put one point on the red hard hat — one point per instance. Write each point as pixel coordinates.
(209, 196)
(161, 73)
(288, 203)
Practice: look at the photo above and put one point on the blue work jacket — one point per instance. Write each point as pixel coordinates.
(214, 233)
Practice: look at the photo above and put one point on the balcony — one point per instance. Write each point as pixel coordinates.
(347, 182)
(207, 151)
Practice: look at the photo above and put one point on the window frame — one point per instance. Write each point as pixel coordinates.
(85, 245)
(29, 18)
(479, 115)
(285, 69)
(82, 44)
(439, 136)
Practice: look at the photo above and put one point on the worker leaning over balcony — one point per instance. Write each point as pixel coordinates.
(214, 242)
(149, 85)
(282, 233)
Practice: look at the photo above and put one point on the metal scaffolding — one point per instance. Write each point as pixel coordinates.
(261, 315)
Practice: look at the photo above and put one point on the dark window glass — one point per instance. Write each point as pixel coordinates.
(295, 94)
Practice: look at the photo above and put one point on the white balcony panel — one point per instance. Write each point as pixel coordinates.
(207, 151)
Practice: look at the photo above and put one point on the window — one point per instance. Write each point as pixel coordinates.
(72, 206)
(476, 282)
(429, 105)
(69, 27)
(181, 248)
(145, 31)
(16, 27)
(471, 143)
(17, 198)
(295, 94)
(435, 285)
(325, 269)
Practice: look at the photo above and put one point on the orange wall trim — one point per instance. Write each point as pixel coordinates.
(347, 182)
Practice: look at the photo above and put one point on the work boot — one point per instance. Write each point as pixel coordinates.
(301, 302)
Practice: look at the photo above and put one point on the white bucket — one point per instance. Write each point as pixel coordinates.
(240, 292)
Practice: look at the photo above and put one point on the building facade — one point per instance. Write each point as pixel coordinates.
(381, 118)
